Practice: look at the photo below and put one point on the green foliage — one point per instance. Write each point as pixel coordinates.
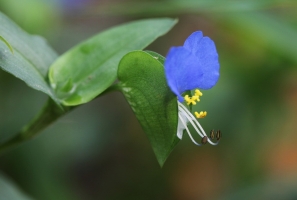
(143, 83)
(89, 68)
(157, 56)
(253, 104)
(31, 58)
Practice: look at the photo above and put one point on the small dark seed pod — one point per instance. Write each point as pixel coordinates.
(212, 134)
(218, 135)
(204, 140)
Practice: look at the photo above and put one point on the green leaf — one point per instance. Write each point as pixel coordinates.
(9, 191)
(31, 58)
(143, 83)
(89, 68)
(157, 56)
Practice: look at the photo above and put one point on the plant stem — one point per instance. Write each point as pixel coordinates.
(50, 112)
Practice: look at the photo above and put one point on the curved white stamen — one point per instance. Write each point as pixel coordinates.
(189, 114)
(191, 118)
(186, 127)
(181, 125)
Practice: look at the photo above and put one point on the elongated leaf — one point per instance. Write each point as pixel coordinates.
(8, 191)
(88, 69)
(31, 58)
(144, 85)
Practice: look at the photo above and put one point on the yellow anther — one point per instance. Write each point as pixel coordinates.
(190, 100)
(201, 114)
(198, 93)
(195, 98)
(187, 99)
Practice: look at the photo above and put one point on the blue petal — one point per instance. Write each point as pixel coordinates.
(207, 57)
(195, 65)
(182, 71)
(193, 40)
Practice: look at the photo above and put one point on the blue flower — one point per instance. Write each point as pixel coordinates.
(194, 65)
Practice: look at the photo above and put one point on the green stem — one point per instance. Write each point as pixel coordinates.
(50, 113)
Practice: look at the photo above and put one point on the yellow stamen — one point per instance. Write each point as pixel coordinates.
(201, 114)
(198, 93)
(190, 100)
(193, 99)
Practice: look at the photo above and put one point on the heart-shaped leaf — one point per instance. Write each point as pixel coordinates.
(89, 68)
(31, 56)
(143, 83)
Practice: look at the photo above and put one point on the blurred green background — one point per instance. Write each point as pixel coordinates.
(99, 150)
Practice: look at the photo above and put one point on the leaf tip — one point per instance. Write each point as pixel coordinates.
(175, 20)
(161, 162)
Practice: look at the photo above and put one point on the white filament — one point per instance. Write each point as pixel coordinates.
(185, 114)
(185, 125)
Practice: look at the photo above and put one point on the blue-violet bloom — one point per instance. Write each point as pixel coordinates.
(194, 65)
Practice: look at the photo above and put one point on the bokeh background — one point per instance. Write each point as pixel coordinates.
(99, 150)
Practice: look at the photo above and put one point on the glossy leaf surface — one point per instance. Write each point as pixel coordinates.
(89, 68)
(31, 56)
(143, 83)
